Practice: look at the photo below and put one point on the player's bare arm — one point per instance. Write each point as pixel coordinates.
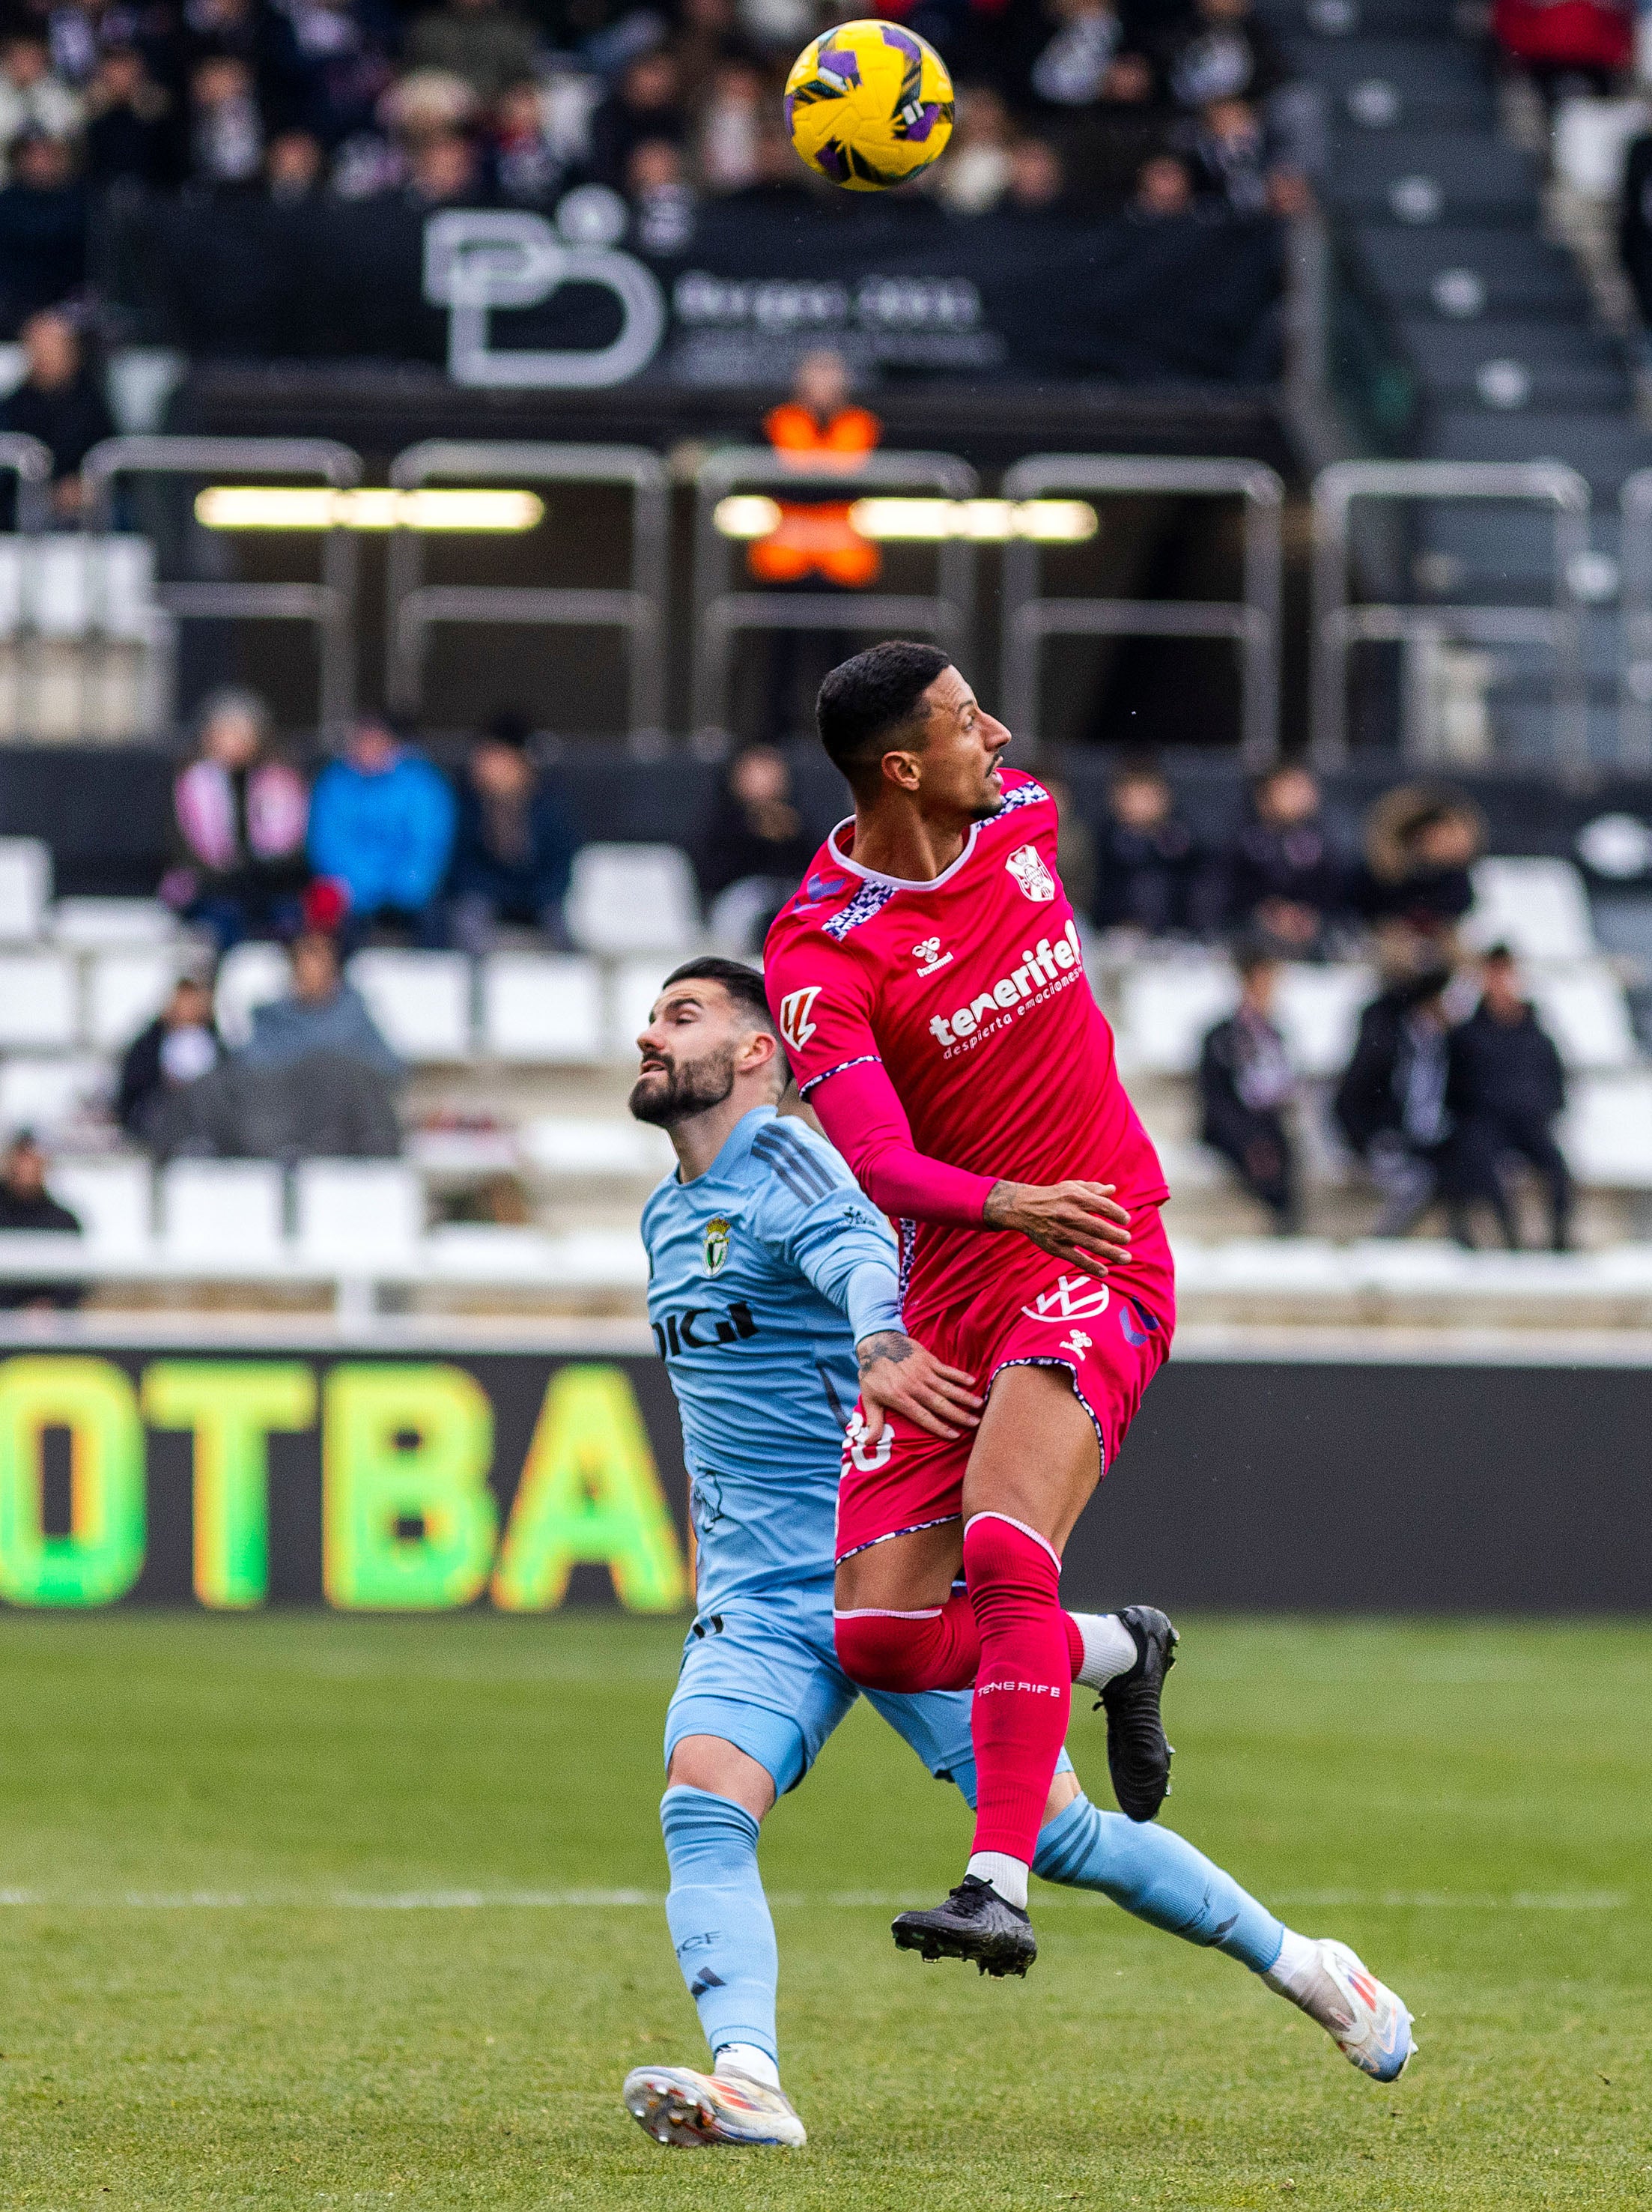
(897, 1375)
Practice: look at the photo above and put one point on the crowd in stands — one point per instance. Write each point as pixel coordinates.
(1164, 107)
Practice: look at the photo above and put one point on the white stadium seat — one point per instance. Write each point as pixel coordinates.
(568, 1145)
(1584, 1010)
(1538, 909)
(1164, 1010)
(124, 992)
(222, 1213)
(355, 1214)
(633, 898)
(542, 1008)
(250, 975)
(420, 1000)
(42, 1094)
(38, 996)
(635, 985)
(1606, 1135)
(114, 1199)
(88, 924)
(25, 889)
(1319, 1011)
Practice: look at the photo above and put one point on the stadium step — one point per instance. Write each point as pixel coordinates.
(1462, 272)
(1418, 178)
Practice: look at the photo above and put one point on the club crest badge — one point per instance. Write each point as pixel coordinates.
(718, 1233)
(1027, 866)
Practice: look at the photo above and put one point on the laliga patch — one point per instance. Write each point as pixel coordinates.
(718, 1233)
(1028, 868)
(795, 1025)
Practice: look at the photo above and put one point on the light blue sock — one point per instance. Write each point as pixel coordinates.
(719, 1917)
(1156, 1875)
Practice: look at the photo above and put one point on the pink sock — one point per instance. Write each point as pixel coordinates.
(937, 1649)
(1030, 1651)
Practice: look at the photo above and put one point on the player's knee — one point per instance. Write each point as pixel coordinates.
(884, 1651)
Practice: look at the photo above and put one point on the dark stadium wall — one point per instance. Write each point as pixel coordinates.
(173, 1473)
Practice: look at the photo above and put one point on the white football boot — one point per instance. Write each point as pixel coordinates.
(1365, 2019)
(675, 2104)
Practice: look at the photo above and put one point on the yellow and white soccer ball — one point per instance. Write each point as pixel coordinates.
(869, 105)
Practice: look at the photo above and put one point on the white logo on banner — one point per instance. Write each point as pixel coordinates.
(479, 260)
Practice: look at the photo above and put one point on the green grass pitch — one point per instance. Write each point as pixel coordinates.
(287, 1924)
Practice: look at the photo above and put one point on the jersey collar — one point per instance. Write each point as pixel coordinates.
(899, 882)
(736, 1147)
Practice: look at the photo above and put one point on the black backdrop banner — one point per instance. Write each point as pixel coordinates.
(374, 1480)
(897, 288)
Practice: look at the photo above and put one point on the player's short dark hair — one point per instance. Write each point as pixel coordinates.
(744, 986)
(865, 701)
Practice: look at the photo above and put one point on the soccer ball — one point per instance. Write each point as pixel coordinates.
(869, 105)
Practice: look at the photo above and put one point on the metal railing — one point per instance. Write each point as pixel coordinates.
(29, 465)
(1337, 624)
(719, 614)
(328, 605)
(1634, 623)
(1252, 622)
(413, 607)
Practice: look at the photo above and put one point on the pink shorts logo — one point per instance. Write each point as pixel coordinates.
(1075, 1298)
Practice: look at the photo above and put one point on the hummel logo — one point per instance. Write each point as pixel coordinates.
(1075, 1298)
(1077, 1344)
(930, 956)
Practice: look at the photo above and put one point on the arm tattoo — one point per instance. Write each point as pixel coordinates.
(886, 1343)
(1000, 1200)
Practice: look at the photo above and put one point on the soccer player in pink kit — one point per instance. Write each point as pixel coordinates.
(928, 982)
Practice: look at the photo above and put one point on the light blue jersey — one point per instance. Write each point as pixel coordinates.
(763, 1274)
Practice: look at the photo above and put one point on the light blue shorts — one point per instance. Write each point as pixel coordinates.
(768, 1682)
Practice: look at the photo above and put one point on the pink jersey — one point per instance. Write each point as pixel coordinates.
(970, 992)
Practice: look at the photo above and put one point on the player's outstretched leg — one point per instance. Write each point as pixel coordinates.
(1161, 1878)
(725, 1939)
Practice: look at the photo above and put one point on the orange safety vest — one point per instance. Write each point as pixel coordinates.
(819, 538)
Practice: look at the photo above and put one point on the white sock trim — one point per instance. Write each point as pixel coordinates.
(1293, 1971)
(746, 2058)
(886, 1613)
(1109, 1649)
(1014, 1523)
(1008, 1876)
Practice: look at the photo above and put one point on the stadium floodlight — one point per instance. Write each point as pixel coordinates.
(928, 521)
(372, 507)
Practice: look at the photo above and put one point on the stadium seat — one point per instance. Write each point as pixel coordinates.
(38, 1002)
(25, 889)
(124, 991)
(43, 1094)
(1538, 908)
(635, 986)
(222, 1214)
(633, 898)
(88, 924)
(420, 1000)
(1606, 1135)
(355, 1215)
(1165, 1010)
(1585, 1012)
(568, 1145)
(1319, 1011)
(114, 1199)
(542, 1008)
(251, 975)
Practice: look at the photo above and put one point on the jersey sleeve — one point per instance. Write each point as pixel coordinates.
(861, 1112)
(822, 1000)
(815, 1221)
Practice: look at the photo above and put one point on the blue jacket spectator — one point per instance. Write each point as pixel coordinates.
(513, 851)
(381, 827)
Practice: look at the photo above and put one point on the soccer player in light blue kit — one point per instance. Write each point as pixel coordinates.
(774, 1299)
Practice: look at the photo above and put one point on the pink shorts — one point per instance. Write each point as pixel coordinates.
(1111, 1337)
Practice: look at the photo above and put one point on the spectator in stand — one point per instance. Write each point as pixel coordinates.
(484, 41)
(662, 204)
(59, 404)
(294, 169)
(130, 139)
(1237, 163)
(34, 101)
(1635, 238)
(1288, 883)
(425, 104)
(27, 1208)
(1075, 847)
(42, 230)
(781, 181)
(975, 174)
(1567, 46)
(1037, 180)
(1392, 1106)
(729, 127)
(707, 40)
(1154, 877)
(240, 819)
(527, 170)
(1164, 186)
(176, 1049)
(1088, 60)
(645, 105)
(1246, 1085)
(753, 848)
(1507, 1090)
(338, 69)
(226, 127)
(381, 829)
(444, 171)
(513, 847)
(1415, 886)
(1221, 52)
(322, 1014)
